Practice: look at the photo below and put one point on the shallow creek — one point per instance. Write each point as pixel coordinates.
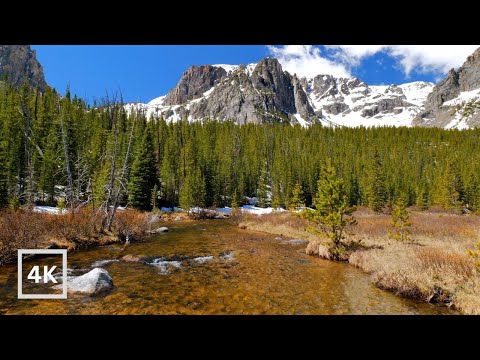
(212, 267)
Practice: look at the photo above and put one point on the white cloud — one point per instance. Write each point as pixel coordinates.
(305, 60)
(422, 58)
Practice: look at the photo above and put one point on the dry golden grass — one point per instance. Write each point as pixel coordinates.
(435, 268)
(282, 224)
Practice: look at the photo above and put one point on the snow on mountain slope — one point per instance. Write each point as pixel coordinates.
(370, 106)
(466, 108)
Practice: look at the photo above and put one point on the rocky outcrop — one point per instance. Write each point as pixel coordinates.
(268, 94)
(302, 105)
(274, 85)
(194, 83)
(469, 73)
(445, 107)
(335, 108)
(385, 106)
(92, 283)
(19, 62)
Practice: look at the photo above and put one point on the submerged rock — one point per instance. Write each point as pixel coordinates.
(227, 255)
(159, 230)
(131, 259)
(103, 262)
(92, 283)
(296, 242)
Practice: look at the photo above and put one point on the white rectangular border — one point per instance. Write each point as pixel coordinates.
(62, 252)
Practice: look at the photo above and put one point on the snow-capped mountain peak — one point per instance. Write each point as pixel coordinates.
(264, 92)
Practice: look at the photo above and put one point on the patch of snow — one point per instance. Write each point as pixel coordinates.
(464, 96)
(250, 67)
(208, 92)
(224, 210)
(49, 210)
(227, 68)
(157, 101)
(417, 92)
(250, 209)
(300, 120)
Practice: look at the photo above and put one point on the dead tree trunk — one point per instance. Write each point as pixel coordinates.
(67, 161)
(111, 184)
(122, 176)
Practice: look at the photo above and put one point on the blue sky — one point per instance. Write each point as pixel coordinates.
(145, 72)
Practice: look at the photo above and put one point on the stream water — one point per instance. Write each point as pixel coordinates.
(212, 267)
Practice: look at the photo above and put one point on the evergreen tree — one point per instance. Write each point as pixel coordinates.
(262, 189)
(234, 201)
(276, 201)
(143, 175)
(169, 173)
(376, 194)
(193, 193)
(471, 193)
(423, 197)
(354, 195)
(401, 220)
(332, 211)
(297, 201)
(451, 192)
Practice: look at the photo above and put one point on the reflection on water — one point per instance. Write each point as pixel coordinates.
(212, 267)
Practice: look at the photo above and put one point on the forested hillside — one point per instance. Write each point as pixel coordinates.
(54, 148)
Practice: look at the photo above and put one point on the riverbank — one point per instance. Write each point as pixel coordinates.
(436, 268)
(27, 229)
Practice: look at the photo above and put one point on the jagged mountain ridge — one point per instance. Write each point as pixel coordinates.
(18, 62)
(264, 92)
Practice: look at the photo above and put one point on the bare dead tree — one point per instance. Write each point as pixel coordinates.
(110, 187)
(123, 174)
(27, 188)
(28, 136)
(83, 179)
(67, 161)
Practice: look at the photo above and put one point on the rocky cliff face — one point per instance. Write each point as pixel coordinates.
(454, 102)
(194, 82)
(264, 92)
(18, 62)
